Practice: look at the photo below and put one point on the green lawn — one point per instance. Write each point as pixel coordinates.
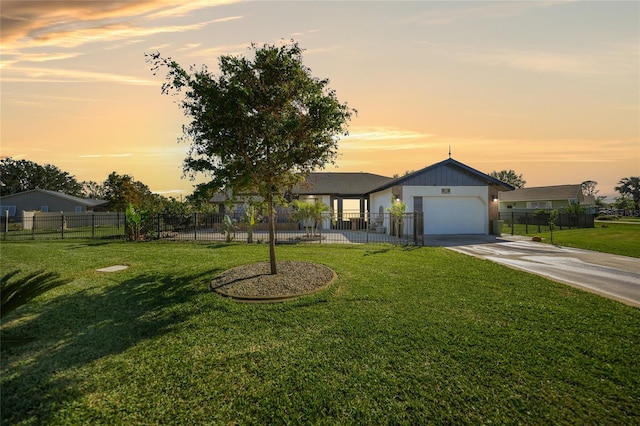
(405, 336)
(606, 237)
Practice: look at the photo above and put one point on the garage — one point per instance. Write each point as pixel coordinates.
(454, 198)
(454, 215)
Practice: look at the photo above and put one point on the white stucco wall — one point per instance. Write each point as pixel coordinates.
(381, 199)
(464, 210)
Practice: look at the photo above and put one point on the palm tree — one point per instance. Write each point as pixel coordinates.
(630, 186)
(18, 290)
(302, 212)
(317, 211)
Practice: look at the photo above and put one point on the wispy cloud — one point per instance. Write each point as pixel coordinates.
(105, 155)
(565, 150)
(69, 24)
(41, 100)
(60, 75)
(182, 8)
(212, 52)
(47, 57)
(615, 59)
(383, 139)
(189, 46)
(109, 32)
(451, 12)
(170, 191)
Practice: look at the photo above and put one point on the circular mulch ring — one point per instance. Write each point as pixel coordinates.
(254, 282)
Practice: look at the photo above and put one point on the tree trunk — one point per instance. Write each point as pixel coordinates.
(272, 235)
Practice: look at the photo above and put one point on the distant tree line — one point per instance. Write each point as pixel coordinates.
(119, 190)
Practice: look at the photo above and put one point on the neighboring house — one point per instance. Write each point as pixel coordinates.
(453, 197)
(45, 201)
(528, 200)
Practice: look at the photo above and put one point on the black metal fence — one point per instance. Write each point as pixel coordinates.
(348, 228)
(528, 223)
(63, 225)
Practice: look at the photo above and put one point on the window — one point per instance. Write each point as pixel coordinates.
(445, 191)
(539, 205)
(10, 209)
(44, 209)
(78, 209)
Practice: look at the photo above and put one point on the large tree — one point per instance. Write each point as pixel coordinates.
(92, 189)
(260, 125)
(122, 190)
(589, 188)
(510, 177)
(23, 175)
(630, 186)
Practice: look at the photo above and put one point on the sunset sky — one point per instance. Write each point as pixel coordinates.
(549, 89)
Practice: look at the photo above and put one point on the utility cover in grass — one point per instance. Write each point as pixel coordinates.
(114, 268)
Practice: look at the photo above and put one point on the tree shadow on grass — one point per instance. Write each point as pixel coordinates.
(76, 329)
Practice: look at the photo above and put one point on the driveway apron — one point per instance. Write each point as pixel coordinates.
(612, 276)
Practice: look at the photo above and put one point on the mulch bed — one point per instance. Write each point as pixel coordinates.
(254, 282)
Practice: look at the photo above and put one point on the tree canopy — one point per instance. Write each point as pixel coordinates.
(260, 125)
(630, 186)
(510, 177)
(24, 175)
(122, 190)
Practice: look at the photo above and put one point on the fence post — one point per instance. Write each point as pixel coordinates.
(513, 224)
(62, 225)
(367, 225)
(526, 222)
(195, 226)
(6, 223)
(158, 226)
(93, 225)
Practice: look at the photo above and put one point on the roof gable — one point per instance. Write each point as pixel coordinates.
(546, 193)
(445, 173)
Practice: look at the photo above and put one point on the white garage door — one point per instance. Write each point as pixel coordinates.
(454, 215)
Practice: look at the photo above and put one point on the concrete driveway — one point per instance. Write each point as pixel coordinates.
(612, 276)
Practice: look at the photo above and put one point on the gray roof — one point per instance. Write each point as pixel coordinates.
(433, 175)
(88, 202)
(546, 193)
(223, 197)
(340, 183)
(357, 184)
